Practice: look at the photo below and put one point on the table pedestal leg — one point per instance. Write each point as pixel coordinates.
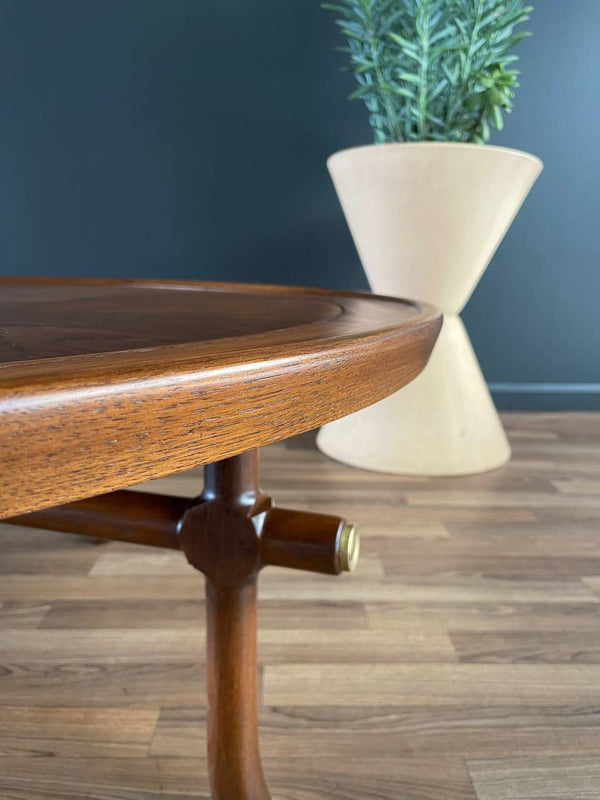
(229, 533)
(219, 537)
(233, 752)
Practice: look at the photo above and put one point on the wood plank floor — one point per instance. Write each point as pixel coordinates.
(460, 662)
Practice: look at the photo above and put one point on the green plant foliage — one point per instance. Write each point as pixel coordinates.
(433, 69)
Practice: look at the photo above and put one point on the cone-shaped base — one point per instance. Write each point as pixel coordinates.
(443, 423)
(427, 217)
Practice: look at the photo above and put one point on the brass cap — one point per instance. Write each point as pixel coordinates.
(349, 547)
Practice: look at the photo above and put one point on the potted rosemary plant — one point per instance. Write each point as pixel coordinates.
(427, 206)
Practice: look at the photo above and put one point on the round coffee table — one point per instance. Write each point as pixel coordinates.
(104, 384)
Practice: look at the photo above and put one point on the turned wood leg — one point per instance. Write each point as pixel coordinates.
(233, 752)
(229, 533)
(219, 538)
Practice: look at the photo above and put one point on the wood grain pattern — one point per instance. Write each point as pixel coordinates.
(523, 646)
(108, 383)
(554, 778)
(393, 614)
(99, 683)
(75, 731)
(432, 684)
(164, 614)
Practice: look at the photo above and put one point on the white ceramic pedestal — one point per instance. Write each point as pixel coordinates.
(426, 219)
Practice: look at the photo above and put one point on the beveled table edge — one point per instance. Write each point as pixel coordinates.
(91, 428)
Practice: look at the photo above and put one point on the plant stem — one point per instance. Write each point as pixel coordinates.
(465, 71)
(423, 69)
(395, 134)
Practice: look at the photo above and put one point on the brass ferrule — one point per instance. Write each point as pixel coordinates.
(348, 547)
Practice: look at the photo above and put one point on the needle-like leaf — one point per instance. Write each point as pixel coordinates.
(433, 69)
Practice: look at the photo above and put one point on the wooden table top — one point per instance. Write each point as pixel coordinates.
(104, 384)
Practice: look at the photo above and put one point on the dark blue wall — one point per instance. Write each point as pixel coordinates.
(535, 316)
(188, 138)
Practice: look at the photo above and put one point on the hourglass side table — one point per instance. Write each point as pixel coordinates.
(104, 384)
